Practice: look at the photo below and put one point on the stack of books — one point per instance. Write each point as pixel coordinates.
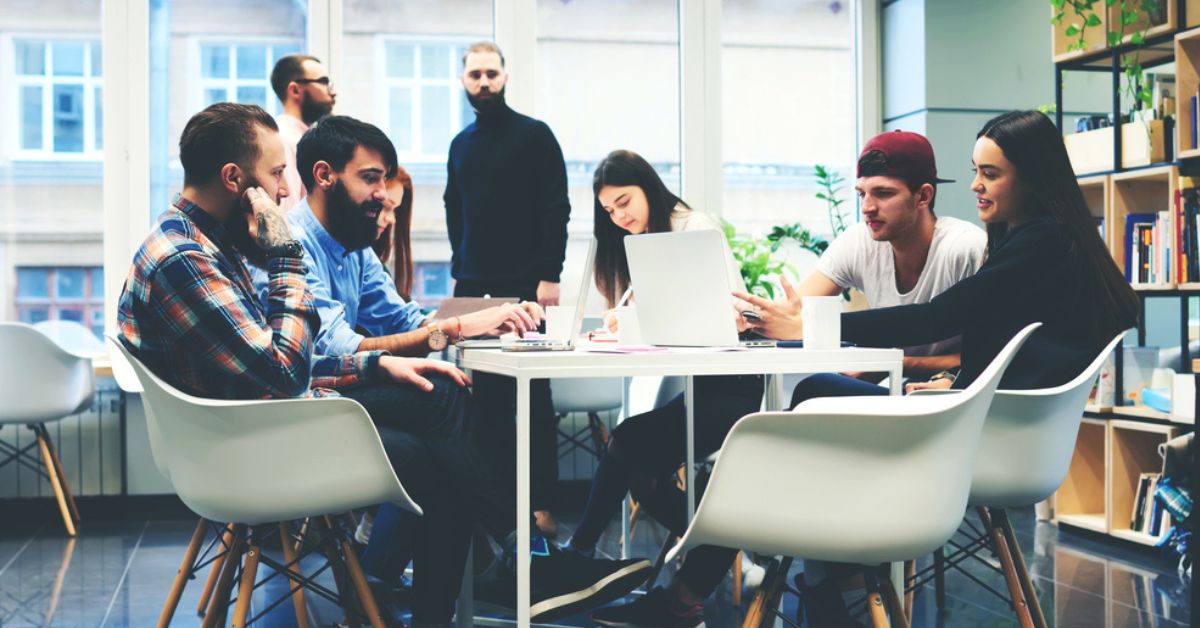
(1163, 247)
(1148, 515)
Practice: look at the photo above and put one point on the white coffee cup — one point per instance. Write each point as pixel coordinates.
(558, 321)
(628, 330)
(822, 319)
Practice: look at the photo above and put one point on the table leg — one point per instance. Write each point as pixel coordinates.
(895, 380)
(523, 507)
(774, 392)
(624, 414)
(689, 398)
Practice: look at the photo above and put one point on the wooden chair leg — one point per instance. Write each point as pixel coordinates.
(896, 610)
(62, 476)
(52, 472)
(1000, 517)
(185, 572)
(1019, 605)
(219, 605)
(218, 563)
(737, 579)
(910, 573)
(246, 590)
(875, 604)
(365, 597)
(599, 433)
(289, 556)
(767, 593)
(635, 509)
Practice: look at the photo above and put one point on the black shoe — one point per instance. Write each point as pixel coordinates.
(657, 609)
(562, 583)
(822, 605)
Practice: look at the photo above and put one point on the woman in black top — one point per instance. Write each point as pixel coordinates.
(1046, 263)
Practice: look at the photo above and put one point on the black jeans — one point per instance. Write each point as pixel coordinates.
(437, 454)
(496, 400)
(643, 455)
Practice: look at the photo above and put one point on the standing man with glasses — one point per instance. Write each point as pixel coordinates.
(302, 84)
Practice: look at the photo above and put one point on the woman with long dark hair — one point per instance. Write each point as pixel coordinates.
(1046, 263)
(645, 451)
(397, 238)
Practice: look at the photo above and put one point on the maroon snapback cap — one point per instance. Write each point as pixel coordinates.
(902, 154)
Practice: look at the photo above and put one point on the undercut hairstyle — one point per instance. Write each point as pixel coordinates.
(223, 133)
(288, 69)
(333, 141)
(483, 46)
(873, 163)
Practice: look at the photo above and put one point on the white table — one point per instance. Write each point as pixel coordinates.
(772, 362)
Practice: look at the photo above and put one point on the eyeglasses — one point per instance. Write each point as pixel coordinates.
(324, 80)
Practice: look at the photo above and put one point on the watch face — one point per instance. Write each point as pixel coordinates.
(437, 340)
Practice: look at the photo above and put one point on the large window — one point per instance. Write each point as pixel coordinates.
(788, 94)
(241, 73)
(424, 101)
(208, 51)
(57, 82)
(69, 293)
(51, 161)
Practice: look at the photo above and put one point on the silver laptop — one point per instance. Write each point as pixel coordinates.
(568, 343)
(683, 296)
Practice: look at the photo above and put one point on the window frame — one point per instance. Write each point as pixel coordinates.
(197, 88)
(384, 84)
(91, 302)
(47, 81)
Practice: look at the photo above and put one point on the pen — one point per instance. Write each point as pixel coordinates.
(624, 297)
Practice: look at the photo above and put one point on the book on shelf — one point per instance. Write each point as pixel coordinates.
(1149, 516)
(1137, 517)
(1148, 247)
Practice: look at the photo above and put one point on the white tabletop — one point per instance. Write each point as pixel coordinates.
(676, 361)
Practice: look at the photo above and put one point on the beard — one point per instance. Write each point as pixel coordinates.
(493, 102)
(311, 111)
(238, 228)
(352, 224)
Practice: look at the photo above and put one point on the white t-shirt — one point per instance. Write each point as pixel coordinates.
(854, 260)
(683, 219)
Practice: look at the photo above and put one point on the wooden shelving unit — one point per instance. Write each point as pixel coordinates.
(1101, 485)
(1146, 190)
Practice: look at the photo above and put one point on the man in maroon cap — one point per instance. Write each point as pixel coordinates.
(900, 253)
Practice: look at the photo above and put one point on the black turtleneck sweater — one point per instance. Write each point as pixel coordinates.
(506, 200)
(1032, 275)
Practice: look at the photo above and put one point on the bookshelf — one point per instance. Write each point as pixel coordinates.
(1101, 488)
(1143, 191)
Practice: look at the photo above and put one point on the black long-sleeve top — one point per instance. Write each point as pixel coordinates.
(506, 200)
(1029, 277)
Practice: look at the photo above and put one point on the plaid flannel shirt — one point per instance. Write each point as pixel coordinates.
(189, 311)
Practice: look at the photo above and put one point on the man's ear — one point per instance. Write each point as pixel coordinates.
(323, 175)
(925, 194)
(231, 178)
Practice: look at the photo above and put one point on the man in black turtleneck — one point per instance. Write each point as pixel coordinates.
(506, 214)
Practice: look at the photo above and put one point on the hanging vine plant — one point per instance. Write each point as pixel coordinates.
(1082, 15)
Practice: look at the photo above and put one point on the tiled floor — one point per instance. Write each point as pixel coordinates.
(117, 574)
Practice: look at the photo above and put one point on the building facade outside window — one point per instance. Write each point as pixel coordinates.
(57, 84)
(422, 105)
(241, 72)
(69, 293)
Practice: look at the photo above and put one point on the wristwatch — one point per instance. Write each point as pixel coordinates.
(287, 248)
(951, 375)
(437, 338)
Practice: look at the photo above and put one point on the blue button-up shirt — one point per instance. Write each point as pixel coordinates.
(350, 288)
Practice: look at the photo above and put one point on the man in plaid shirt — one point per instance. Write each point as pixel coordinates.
(189, 311)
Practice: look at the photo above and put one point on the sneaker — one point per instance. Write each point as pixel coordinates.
(563, 583)
(658, 609)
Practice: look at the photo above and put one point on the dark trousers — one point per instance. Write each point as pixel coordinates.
(833, 385)
(643, 456)
(437, 454)
(496, 398)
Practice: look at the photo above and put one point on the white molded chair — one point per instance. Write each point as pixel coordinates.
(1024, 453)
(42, 381)
(870, 479)
(590, 396)
(236, 461)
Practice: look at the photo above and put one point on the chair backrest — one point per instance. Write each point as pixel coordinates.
(127, 379)
(73, 337)
(849, 479)
(40, 380)
(1027, 440)
(261, 461)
